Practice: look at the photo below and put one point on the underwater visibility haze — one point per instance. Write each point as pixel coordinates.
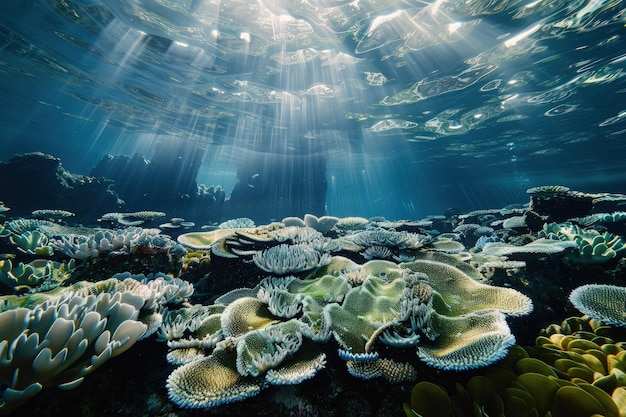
(403, 108)
(313, 207)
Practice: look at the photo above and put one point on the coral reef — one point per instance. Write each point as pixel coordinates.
(392, 305)
(318, 314)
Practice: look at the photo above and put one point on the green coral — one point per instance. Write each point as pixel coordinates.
(3, 209)
(19, 276)
(593, 246)
(33, 243)
(459, 294)
(38, 275)
(4, 231)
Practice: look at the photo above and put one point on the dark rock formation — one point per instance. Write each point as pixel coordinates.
(34, 181)
(274, 186)
(165, 183)
(157, 183)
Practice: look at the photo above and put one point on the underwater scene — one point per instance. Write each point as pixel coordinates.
(308, 208)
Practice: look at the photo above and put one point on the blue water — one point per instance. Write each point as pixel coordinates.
(415, 107)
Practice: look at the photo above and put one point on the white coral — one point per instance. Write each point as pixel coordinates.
(61, 341)
(284, 259)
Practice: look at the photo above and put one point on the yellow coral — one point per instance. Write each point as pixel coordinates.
(463, 295)
(210, 381)
(245, 314)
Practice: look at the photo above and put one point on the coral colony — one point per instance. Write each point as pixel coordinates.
(280, 303)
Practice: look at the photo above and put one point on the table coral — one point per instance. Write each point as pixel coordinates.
(602, 302)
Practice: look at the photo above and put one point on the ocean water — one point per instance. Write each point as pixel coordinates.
(214, 110)
(415, 106)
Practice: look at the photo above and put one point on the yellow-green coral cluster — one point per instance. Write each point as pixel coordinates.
(575, 369)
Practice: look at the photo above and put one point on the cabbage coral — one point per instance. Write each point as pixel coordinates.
(593, 246)
(59, 343)
(32, 243)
